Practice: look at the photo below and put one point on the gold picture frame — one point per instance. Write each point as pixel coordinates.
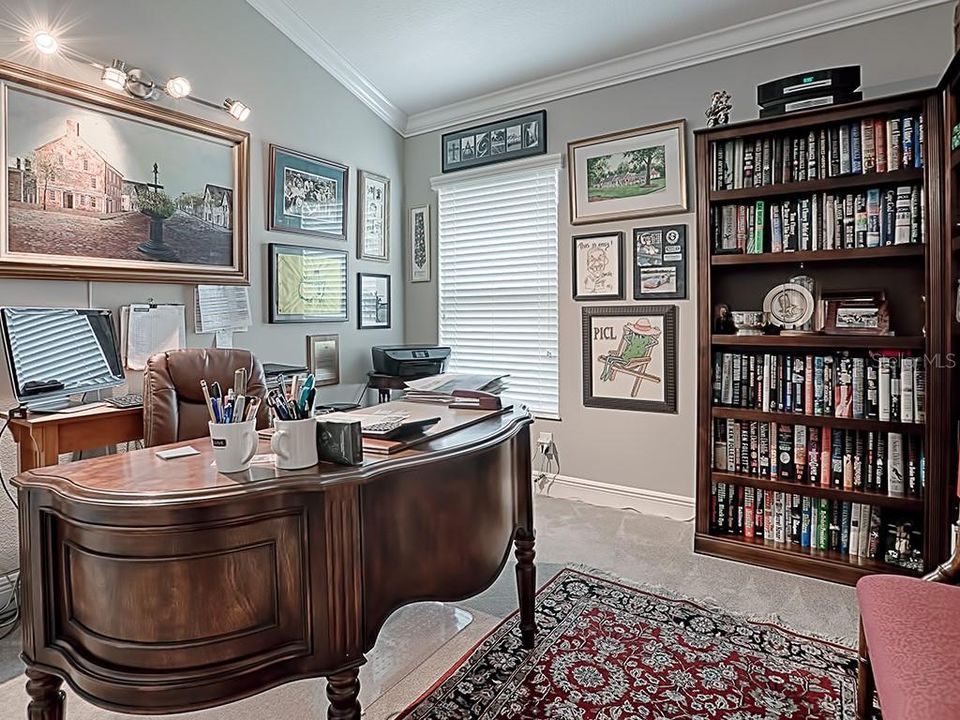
(92, 185)
(323, 358)
(628, 174)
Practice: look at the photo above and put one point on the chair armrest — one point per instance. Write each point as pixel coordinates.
(949, 571)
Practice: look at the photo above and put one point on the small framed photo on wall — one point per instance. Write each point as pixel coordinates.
(660, 263)
(598, 266)
(373, 301)
(630, 357)
(373, 216)
(420, 244)
(323, 358)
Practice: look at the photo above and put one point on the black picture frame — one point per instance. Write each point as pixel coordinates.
(667, 258)
(668, 340)
(619, 272)
(473, 138)
(364, 312)
(311, 169)
(277, 276)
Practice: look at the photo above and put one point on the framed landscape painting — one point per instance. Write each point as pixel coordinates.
(628, 174)
(104, 187)
(308, 195)
(630, 357)
(307, 284)
(598, 266)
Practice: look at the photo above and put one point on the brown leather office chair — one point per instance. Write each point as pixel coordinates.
(173, 405)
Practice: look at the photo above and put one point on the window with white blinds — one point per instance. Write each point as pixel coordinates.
(498, 279)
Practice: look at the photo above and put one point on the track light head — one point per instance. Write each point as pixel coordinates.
(45, 42)
(115, 75)
(178, 87)
(237, 109)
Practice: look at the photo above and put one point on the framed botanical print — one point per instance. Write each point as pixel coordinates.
(307, 284)
(99, 186)
(628, 174)
(630, 357)
(420, 249)
(373, 301)
(373, 216)
(660, 263)
(308, 195)
(598, 266)
(323, 358)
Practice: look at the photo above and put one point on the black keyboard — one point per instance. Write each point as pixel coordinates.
(125, 401)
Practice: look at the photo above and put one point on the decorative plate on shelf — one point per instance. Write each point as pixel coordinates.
(790, 305)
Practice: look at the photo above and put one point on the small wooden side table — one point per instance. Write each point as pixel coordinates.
(383, 384)
(42, 437)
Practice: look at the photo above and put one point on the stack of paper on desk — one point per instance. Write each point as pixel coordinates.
(439, 388)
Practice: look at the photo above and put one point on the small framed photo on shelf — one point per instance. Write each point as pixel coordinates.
(307, 284)
(855, 312)
(630, 357)
(629, 174)
(598, 266)
(420, 249)
(660, 263)
(510, 139)
(373, 301)
(308, 195)
(323, 358)
(373, 216)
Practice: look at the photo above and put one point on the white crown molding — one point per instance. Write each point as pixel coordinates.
(816, 19)
(620, 497)
(312, 42)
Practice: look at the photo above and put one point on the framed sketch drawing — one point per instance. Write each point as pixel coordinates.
(373, 216)
(323, 358)
(308, 195)
(630, 357)
(307, 284)
(660, 263)
(373, 301)
(598, 266)
(104, 187)
(628, 174)
(420, 250)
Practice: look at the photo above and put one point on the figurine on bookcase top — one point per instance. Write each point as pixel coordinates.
(719, 111)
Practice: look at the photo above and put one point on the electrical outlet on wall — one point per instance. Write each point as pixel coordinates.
(545, 444)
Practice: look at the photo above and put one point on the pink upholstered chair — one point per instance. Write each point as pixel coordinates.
(910, 645)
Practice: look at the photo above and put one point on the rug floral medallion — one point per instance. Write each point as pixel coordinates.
(608, 651)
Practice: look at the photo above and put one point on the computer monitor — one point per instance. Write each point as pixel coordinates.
(53, 353)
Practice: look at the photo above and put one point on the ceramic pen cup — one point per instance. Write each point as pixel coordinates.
(234, 445)
(295, 443)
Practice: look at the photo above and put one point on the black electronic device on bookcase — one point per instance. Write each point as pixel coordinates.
(804, 91)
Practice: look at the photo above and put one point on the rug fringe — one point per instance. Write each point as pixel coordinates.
(712, 605)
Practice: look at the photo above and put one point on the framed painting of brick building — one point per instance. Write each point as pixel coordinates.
(101, 186)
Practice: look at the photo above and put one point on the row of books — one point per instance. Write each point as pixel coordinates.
(881, 462)
(867, 219)
(853, 529)
(888, 386)
(871, 145)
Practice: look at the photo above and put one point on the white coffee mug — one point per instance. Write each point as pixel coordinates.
(234, 445)
(295, 443)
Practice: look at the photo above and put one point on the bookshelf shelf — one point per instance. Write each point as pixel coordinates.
(813, 340)
(902, 502)
(808, 187)
(780, 556)
(920, 280)
(817, 420)
(897, 252)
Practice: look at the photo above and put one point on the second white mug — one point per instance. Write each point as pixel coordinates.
(295, 443)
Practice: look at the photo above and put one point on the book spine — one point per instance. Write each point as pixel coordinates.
(813, 455)
(894, 152)
(756, 246)
(868, 149)
(880, 142)
(858, 460)
(805, 510)
(883, 390)
(845, 529)
(748, 512)
(800, 453)
(873, 218)
(895, 480)
(779, 517)
(906, 390)
(856, 157)
(845, 166)
(853, 544)
(906, 137)
(857, 391)
(785, 463)
(871, 407)
(919, 392)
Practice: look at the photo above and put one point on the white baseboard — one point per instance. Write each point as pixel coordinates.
(648, 502)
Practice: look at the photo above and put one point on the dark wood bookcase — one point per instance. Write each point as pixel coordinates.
(920, 281)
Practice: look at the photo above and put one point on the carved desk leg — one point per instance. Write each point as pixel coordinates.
(343, 689)
(46, 697)
(526, 585)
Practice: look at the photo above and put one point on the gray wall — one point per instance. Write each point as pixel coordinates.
(651, 451)
(225, 48)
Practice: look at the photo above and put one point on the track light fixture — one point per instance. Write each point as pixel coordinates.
(115, 75)
(177, 87)
(45, 42)
(237, 109)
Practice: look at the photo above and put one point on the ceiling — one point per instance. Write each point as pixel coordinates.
(431, 63)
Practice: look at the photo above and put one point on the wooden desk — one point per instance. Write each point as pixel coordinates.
(157, 586)
(42, 438)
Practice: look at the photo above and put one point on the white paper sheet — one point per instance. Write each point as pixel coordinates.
(222, 307)
(152, 329)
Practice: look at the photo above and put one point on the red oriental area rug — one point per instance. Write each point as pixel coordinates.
(610, 651)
